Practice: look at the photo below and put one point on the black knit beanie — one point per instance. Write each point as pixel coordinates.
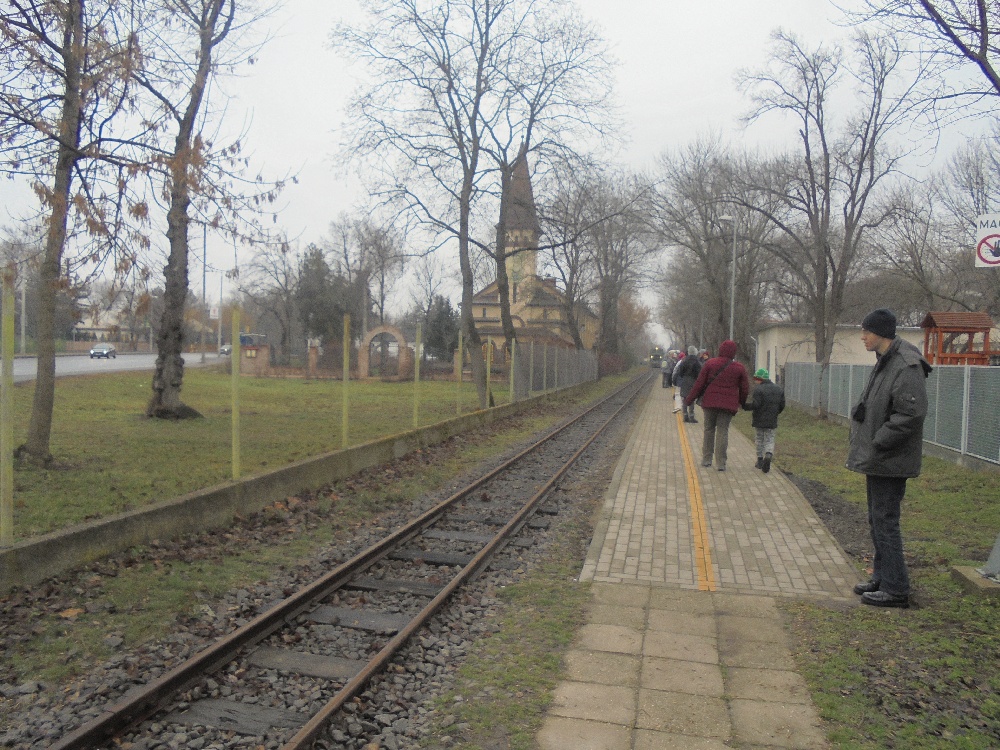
(881, 322)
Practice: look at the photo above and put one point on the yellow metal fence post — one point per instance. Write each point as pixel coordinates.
(511, 364)
(347, 379)
(545, 367)
(6, 411)
(461, 367)
(416, 378)
(235, 356)
(531, 368)
(489, 371)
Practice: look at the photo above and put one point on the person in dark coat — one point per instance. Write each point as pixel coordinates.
(722, 386)
(685, 376)
(767, 401)
(886, 445)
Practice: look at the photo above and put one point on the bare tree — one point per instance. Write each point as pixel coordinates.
(63, 86)
(429, 278)
(445, 116)
(932, 225)
(558, 77)
(826, 192)
(954, 37)
(370, 257)
(620, 248)
(189, 43)
(272, 283)
(566, 221)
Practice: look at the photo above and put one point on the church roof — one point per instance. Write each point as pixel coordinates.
(521, 212)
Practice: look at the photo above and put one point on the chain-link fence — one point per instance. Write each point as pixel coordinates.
(952, 420)
(541, 367)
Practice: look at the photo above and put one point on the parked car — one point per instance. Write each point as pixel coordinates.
(225, 350)
(103, 350)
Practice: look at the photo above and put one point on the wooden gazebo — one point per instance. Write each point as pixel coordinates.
(958, 338)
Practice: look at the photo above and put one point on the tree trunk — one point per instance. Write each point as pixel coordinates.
(474, 343)
(503, 281)
(169, 376)
(36, 448)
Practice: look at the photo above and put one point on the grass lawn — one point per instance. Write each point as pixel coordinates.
(63, 630)
(925, 677)
(110, 458)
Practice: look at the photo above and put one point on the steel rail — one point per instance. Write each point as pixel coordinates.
(378, 663)
(143, 701)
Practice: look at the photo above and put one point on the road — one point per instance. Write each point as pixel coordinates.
(82, 364)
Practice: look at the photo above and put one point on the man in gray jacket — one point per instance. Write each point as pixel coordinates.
(887, 429)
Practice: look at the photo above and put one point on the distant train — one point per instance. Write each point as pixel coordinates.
(655, 356)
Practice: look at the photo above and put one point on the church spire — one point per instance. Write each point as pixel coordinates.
(521, 212)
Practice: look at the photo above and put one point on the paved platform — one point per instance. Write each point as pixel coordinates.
(684, 646)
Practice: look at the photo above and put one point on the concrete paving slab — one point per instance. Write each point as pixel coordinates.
(676, 676)
(647, 740)
(559, 733)
(692, 602)
(752, 629)
(680, 713)
(673, 621)
(754, 654)
(615, 638)
(613, 704)
(614, 614)
(775, 685)
(785, 725)
(602, 666)
(745, 605)
(623, 595)
(679, 646)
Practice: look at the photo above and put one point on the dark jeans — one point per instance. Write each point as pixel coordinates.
(885, 494)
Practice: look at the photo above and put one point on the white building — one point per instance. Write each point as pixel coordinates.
(781, 343)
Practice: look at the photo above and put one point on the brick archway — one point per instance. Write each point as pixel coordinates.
(405, 370)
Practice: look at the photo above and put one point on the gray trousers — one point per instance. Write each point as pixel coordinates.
(764, 439)
(716, 439)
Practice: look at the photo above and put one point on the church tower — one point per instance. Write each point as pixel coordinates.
(523, 230)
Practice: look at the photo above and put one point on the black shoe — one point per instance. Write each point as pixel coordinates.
(885, 599)
(766, 466)
(694, 421)
(706, 463)
(866, 588)
(722, 467)
(760, 463)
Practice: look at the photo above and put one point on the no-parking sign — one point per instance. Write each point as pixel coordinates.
(988, 241)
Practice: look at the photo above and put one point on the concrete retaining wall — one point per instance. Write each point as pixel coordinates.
(33, 560)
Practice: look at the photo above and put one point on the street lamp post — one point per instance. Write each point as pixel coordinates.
(732, 276)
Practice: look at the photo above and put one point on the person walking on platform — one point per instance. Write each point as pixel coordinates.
(766, 402)
(886, 445)
(685, 376)
(667, 367)
(722, 386)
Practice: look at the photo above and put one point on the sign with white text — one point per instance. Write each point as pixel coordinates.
(988, 241)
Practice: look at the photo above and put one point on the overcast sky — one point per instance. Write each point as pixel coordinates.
(675, 82)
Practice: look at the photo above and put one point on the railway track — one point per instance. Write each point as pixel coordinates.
(329, 640)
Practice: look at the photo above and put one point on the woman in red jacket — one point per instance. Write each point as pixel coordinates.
(723, 387)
